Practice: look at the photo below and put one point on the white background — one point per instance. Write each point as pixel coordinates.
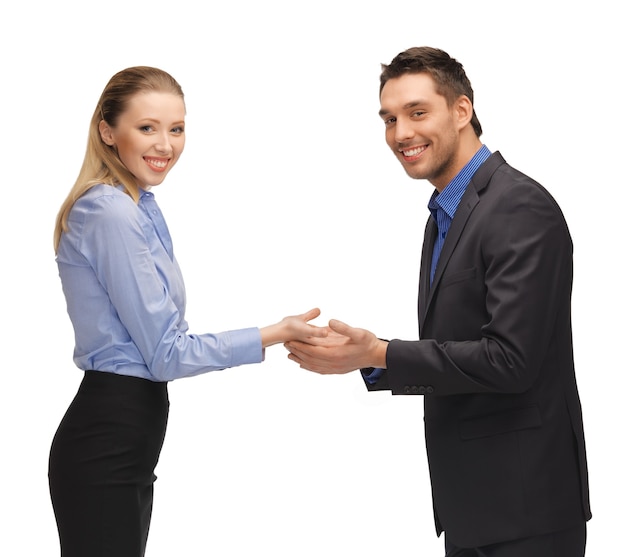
(288, 198)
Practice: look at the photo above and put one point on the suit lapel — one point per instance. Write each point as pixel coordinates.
(469, 200)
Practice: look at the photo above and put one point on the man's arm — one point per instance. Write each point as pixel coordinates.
(490, 333)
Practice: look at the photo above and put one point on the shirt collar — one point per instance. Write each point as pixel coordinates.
(450, 197)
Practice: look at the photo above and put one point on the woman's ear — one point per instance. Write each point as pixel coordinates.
(106, 133)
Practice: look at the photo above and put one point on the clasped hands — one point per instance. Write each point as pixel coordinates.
(337, 348)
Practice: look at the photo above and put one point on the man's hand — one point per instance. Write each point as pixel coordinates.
(344, 349)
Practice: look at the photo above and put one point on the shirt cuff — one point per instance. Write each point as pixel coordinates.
(246, 346)
(372, 374)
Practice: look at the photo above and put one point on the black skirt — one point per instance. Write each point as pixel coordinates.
(102, 461)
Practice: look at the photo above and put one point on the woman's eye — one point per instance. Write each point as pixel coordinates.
(145, 129)
(178, 130)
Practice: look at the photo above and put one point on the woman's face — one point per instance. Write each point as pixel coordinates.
(149, 136)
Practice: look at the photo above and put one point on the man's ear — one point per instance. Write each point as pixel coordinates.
(106, 133)
(464, 111)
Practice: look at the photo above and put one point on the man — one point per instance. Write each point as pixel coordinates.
(494, 362)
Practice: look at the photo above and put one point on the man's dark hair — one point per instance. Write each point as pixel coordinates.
(448, 74)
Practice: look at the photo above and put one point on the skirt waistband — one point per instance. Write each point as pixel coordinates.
(107, 382)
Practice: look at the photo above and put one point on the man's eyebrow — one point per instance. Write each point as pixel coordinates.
(410, 104)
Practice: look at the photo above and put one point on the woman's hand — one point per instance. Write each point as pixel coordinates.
(293, 327)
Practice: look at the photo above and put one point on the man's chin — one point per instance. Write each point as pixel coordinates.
(415, 174)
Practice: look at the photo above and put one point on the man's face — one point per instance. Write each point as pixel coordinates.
(420, 128)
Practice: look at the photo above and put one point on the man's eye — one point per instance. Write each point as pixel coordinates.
(389, 121)
(418, 113)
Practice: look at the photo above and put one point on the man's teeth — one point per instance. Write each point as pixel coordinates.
(413, 152)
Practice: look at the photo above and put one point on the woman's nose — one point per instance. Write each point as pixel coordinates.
(163, 144)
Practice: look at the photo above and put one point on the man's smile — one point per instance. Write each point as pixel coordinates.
(413, 153)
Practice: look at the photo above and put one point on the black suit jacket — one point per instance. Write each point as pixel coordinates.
(503, 422)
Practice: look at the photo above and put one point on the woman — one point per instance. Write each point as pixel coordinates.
(126, 300)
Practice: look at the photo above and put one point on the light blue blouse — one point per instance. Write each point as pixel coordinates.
(126, 296)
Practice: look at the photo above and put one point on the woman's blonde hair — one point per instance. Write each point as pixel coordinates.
(102, 164)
